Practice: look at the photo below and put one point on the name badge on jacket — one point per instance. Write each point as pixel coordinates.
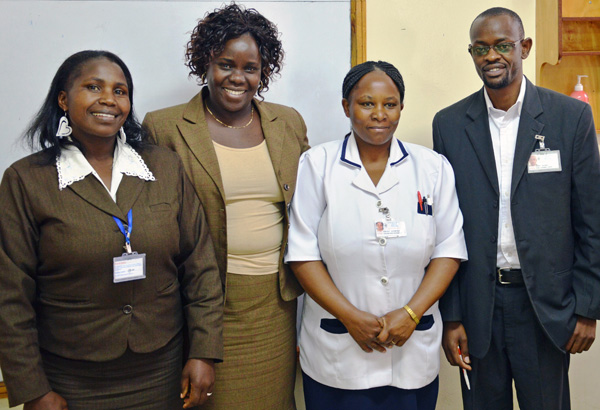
(544, 159)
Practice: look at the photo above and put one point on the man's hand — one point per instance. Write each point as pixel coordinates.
(197, 382)
(49, 401)
(455, 337)
(583, 336)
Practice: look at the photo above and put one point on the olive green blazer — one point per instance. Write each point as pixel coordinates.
(183, 129)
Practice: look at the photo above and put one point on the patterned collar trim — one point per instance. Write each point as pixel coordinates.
(72, 166)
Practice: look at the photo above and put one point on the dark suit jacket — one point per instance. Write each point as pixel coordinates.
(56, 269)
(555, 215)
(183, 129)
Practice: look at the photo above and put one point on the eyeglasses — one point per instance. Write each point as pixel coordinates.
(502, 48)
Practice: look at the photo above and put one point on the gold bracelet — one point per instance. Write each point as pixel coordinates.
(412, 314)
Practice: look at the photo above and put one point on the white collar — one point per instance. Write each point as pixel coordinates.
(515, 110)
(351, 156)
(72, 166)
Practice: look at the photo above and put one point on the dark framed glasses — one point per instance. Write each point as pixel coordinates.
(501, 48)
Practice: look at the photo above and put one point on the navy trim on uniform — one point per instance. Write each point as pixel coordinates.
(404, 152)
(333, 326)
(343, 157)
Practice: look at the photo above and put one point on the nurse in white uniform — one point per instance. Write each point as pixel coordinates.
(375, 239)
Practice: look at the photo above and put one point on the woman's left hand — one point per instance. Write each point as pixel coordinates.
(397, 328)
(197, 382)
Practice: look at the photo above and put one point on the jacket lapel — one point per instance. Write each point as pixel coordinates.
(194, 131)
(92, 191)
(481, 139)
(274, 131)
(529, 127)
(128, 192)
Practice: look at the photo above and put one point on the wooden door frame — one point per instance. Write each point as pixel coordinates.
(358, 33)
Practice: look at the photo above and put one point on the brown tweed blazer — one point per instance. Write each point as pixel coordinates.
(183, 129)
(56, 269)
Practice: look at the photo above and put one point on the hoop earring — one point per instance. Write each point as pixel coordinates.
(261, 86)
(63, 127)
(203, 78)
(122, 135)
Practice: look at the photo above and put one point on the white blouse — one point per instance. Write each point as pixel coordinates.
(333, 218)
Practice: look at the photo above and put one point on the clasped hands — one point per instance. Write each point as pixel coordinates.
(380, 333)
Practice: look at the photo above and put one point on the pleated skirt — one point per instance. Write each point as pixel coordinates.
(259, 367)
(134, 381)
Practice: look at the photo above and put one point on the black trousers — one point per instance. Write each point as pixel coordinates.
(519, 351)
(318, 396)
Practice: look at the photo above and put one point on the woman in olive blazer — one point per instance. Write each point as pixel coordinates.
(241, 154)
(183, 129)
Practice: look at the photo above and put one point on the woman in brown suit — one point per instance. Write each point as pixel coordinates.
(84, 325)
(241, 154)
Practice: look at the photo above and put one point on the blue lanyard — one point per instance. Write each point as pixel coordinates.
(129, 228)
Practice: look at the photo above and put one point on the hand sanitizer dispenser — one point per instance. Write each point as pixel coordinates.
(578, 92)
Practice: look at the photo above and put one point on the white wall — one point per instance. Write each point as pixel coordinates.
(427, 41)
(150, 36)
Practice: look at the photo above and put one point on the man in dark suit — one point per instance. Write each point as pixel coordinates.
(528, 181)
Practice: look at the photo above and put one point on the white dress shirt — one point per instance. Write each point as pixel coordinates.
(504, 127)
(72, 166)
(333, 215)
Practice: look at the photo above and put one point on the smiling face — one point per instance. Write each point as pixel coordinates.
(374, 108)
(234, 75)
(499, 70)
(97, 100)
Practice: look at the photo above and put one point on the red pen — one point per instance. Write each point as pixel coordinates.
(420, 200)
(464, 371)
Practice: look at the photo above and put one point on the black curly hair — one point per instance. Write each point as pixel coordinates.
(41, 132)
(359, 71)
(229, 22)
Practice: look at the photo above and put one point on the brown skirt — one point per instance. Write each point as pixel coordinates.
(259, 332)
(134, 381)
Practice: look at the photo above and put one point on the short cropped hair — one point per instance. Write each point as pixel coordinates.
(501, 11)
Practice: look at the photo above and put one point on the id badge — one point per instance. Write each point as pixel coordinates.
(128, 267)
(544, 161)
(390, 229)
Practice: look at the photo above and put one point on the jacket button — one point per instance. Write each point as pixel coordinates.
(378, 203)
(382, 241)
(384, 280)
(127, 309)
(493, 239)
(286, 187)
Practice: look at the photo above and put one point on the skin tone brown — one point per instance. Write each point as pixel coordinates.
(374, 108)
(98, 104)
(502, 75)
(233, 78)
